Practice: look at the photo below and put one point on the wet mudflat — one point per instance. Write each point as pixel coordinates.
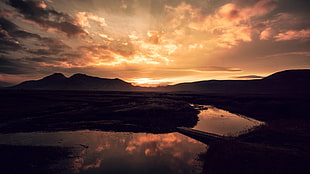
(279, 146)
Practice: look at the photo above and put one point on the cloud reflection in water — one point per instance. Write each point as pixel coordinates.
(118, 152)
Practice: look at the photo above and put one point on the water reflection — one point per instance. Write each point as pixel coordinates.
(117, 152)
(221, 122)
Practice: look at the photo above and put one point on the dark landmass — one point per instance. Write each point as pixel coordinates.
(32, 110)
(58, 81)
(34, 159)
(282, 100)
(280, 146)
(289, 81)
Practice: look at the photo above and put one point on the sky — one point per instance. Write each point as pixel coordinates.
(153, 42)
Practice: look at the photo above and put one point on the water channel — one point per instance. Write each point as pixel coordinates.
(125, 152)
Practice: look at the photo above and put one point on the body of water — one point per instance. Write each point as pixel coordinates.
(116, 152)
(225, 123)
(92, 151)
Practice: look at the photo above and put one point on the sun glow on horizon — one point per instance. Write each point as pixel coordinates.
(149, 82)
(151, 43)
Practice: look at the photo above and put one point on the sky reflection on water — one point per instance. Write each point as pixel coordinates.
(126, 152)
(117, 152)
(222, 122)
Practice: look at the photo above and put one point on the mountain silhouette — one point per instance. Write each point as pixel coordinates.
(58, 81)
(289, 81)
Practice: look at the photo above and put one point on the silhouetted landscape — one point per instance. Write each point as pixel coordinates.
(154, 86)
(290, 81)
(57, 103)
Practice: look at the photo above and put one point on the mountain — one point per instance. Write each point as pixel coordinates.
(289, 81)
(58, 81)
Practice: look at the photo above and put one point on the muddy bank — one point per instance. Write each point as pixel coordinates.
(34, 159)
(280, 146)
(25, 111)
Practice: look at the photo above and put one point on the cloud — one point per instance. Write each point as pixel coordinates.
(8, 32)
(266, 34)
(96, 164)
(235, 22)
(11, 36)
(227, 27)
(263, 7)
(153, 37)
(218, 68)
(14, 31)
(294, 35)
(83, 18)
(47, 18)
(97, 54)
(283, 54)
(109, 51)
(14, 66)
(283, 27)
(49, 46)
(8, 43)
(249, 77)
(10, 79)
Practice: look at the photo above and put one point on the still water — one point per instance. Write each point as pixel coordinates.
(126, 152)
(117, 152)
(225, 123)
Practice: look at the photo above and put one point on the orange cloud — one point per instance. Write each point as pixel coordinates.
(294, 35)
(263, 7)
(42, 4)
(94, 165)
(266, 34)
(83, 18)
(153, 37)
(227, 27)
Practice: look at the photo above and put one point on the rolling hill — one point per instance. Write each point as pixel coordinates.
(289, 81)
(58, 81)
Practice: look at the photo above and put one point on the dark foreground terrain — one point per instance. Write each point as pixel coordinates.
(24, 111)
(281, 146)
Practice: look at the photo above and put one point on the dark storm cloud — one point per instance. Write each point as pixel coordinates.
(47, 18)
(14, 31)
(299, 7)
(10, 34)
(24, 34)
(46, 59)
(8, 43)
(52, 47)
(7, 25)
(14, 66)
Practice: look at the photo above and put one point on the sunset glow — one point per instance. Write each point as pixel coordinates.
(150, 42)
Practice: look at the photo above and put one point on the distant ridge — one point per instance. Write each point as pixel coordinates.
(58, 81)
(289, 81)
